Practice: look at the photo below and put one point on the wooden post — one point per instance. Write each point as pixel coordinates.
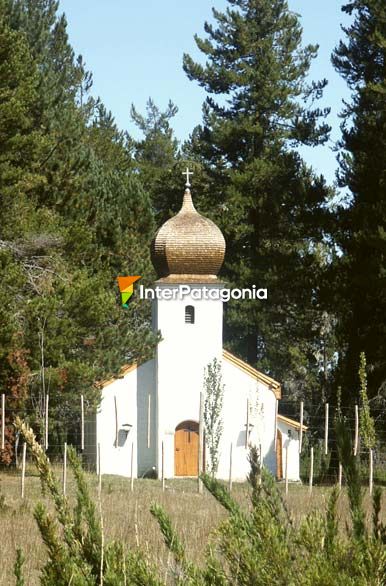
(116, 420)
(46, 423)
(65, 469)
(132, 468)
(286, 469)
(311, 470)
(23, 469)
(163, 466)
(340, 475)
(326, 430)
(2, 421)
(371, 472)
(230, 467)
(356, 438)
(276, 412)
(148, 420)
(99, 472)
(200, 442)
(301, 427)
(82, 423)
(247, 427)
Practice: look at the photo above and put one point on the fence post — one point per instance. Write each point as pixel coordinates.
(311, 470)
(65, 468)
(230, 467)
(301, 427)
(286, 469)
(326, 429)
(340, 475)
(276, 412)
(200, 442)
(46, 423)
(2, 421)
(247, 426)
(371, 472)
(132, 468)
(23, 469)
(163, 466)
(356, 430)
(82, 423)
(116, 420)
(148, 420)
(99, 472)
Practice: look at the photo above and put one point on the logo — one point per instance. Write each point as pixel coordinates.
(181, 292)
(126, 287)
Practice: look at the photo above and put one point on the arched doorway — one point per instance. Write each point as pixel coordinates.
(279, 455)
(186, 449)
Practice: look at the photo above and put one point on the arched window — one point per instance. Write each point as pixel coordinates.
(189, 314)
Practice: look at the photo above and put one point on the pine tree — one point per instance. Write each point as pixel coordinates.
(157, 158)
(74, 216)
(270, 206)
(361, 225)
(21, 146)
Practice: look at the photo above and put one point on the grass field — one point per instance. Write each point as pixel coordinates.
(126, 516)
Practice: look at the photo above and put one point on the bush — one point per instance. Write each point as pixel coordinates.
(255, 546)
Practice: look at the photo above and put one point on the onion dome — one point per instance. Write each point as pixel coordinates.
(188, 247)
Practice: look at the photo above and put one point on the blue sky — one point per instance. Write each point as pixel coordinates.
(134, 50)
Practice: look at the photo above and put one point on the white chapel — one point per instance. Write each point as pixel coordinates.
(148, 419)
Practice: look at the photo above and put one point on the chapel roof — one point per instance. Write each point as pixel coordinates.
(265, 379)
(291, 422)
(261, 377)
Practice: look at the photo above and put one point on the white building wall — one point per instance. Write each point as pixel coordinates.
(290, 439)
(117, 459)
(130, 392)
(182, 355)
(240, 388)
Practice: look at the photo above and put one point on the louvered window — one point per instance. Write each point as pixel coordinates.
(189, 314)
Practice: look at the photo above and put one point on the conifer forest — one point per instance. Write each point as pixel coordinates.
(80, 202)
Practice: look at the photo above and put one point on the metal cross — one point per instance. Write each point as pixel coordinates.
(187, 173)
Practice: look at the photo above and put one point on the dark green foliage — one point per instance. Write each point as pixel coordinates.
(18, 568)
(361, 223)
(255, 545)
(367, 428)
(352, 474)
(263, 546)
(253, 183)
(158, 160)
(74, 216)
(77, 552)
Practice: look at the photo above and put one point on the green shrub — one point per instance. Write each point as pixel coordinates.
(257, 545)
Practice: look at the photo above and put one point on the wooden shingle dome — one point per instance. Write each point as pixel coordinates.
(188, 247)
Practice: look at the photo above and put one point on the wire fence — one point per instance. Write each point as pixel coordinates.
(317, 444)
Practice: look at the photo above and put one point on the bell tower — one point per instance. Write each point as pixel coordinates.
(187, 253)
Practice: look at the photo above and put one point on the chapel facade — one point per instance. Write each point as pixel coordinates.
(148, 420)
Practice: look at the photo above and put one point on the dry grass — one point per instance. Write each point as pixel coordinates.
(127, 517)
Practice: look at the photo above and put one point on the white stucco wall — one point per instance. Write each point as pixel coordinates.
(172, 382)
(131, 393)
(241, 387)
(290, 439)
(182, 355)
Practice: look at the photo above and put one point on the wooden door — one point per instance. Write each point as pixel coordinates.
(186, 449)
(279, 455)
